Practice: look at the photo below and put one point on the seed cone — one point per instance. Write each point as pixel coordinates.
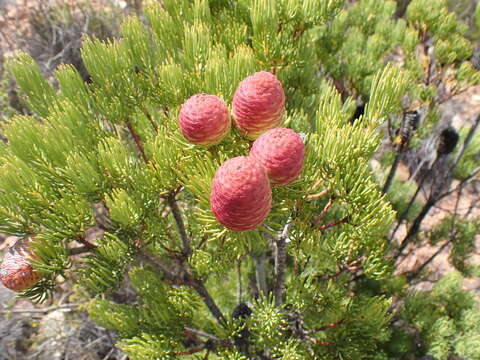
(16, 271)
(204, 119)
(241, 197)
(258, 104)
(282, 153)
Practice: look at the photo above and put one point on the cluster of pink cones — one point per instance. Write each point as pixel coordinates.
(241, 195)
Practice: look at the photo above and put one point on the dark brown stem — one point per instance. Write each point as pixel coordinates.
(439, 251)
(201, 290)
(323, 212)
(326, 327)
(150, 119)
(464, 182)
(79, 250)
(213, 338)
(138, 141)
(328, 226)
(159, 266)
(428, 261)
(186, 279)
(318, 195)
(466, 143)
(404, 214)
(318, 342)
(191, 351)
(393, 170)
(172, 202)
(280, 260)
(240, 287)
(350, 267)
(416, 225)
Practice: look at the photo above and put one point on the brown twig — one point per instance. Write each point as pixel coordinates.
(149, 117)
(324, 211)
(172, 202)
(79, 250)
(326, 327)
(201, 290)
(216, 340)
(137, 140)
(318, 342)
(443, 247)
(184, 278)
(328, 226)
(318, 195)
(191, 351)
(350, 267)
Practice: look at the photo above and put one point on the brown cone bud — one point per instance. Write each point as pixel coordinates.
(16, 271)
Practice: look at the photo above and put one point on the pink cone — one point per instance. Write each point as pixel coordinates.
(281, 152)
(258, 104)
(241, 197)
(204, 119)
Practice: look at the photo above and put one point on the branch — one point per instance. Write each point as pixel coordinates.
(181, 226)
(79, 250)
(260, 275)
(184, 278)
(415, 226)
(393, 170)
(138, 141)
(200, 288)
(326, 327)
(216, 340)
(318, 195)
(439, 251)
(328, 226)
(280, 260)
(159, 267)
(149, 117)
(462, 183)
(466, 143)
(324, 211)
(240, 288)
(318, 342)
(404, 214)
